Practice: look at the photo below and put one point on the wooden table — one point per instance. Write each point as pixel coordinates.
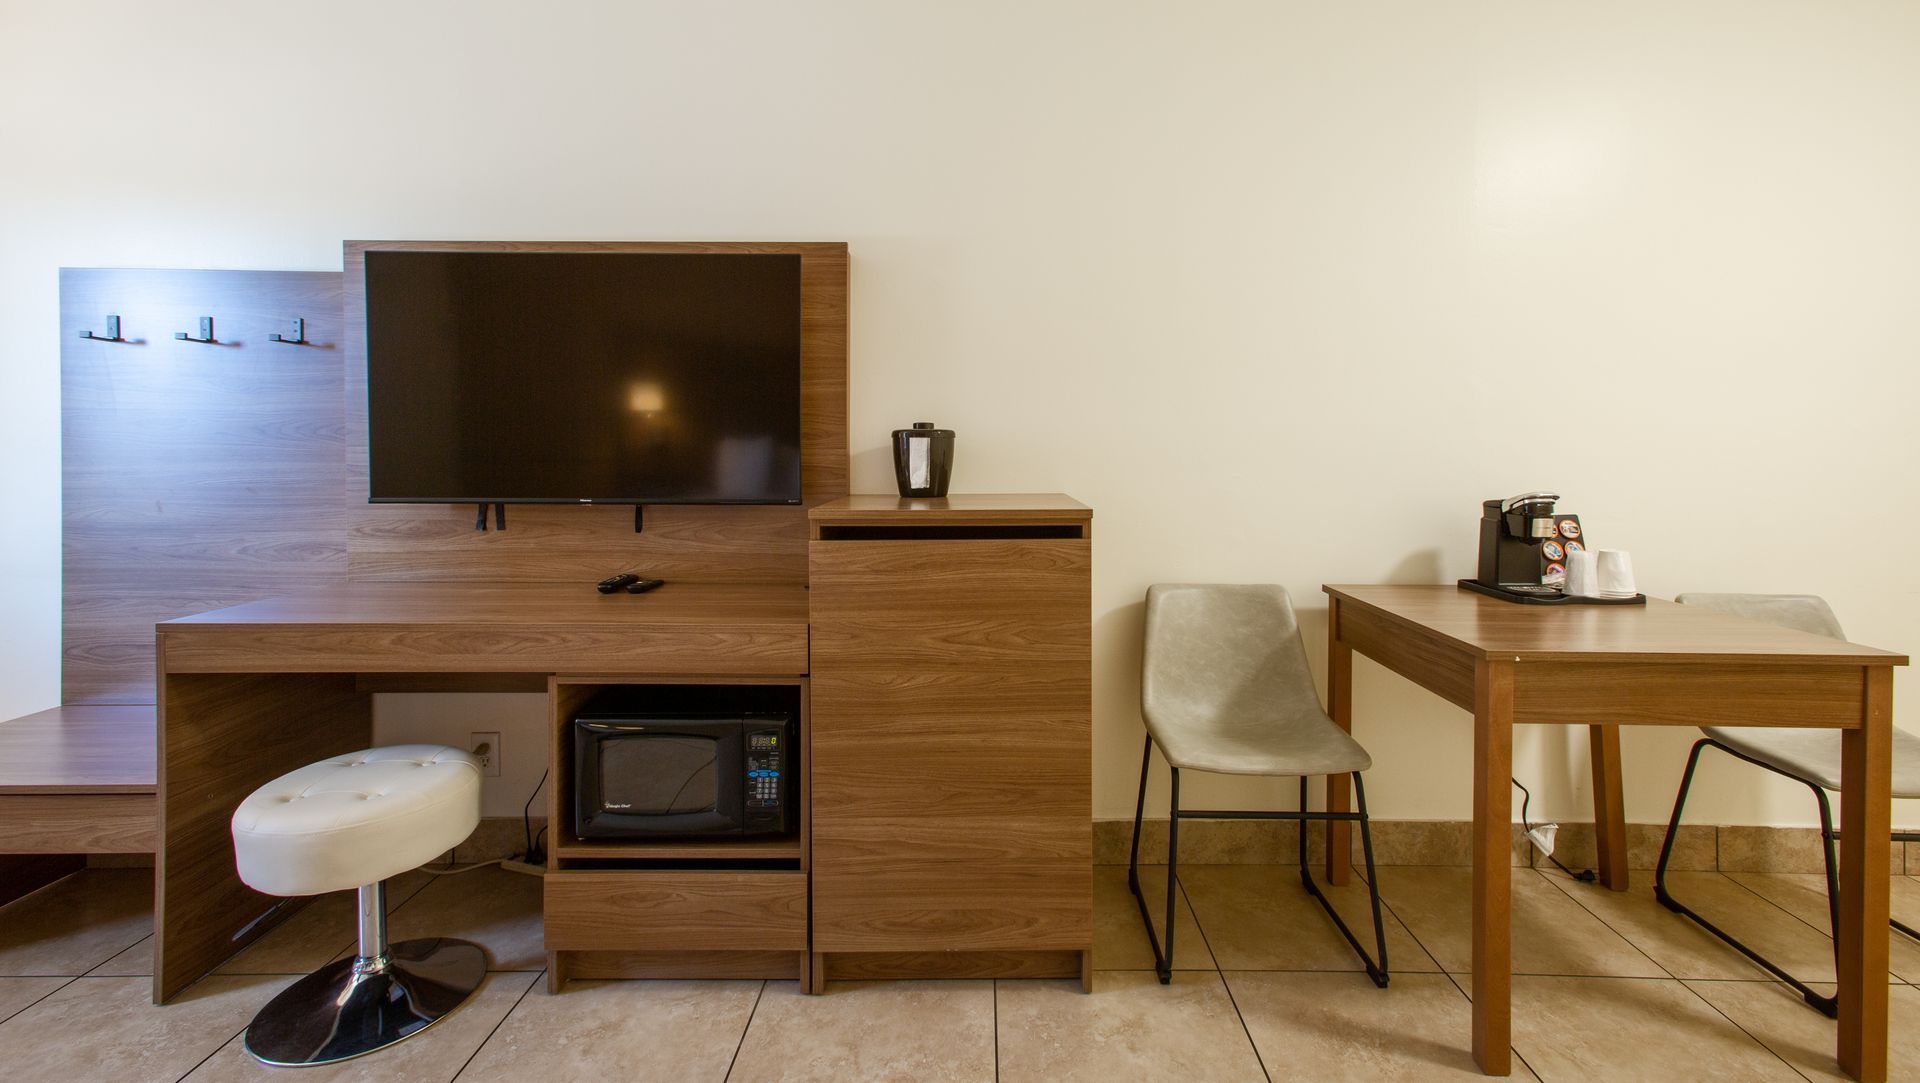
(1606, 666)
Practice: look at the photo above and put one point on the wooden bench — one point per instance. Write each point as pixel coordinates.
(74, 780)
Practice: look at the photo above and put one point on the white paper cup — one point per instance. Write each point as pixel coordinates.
(1583, 576)
(1614, 572)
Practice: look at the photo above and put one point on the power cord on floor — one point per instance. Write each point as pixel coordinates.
(535, 855)
(1585, 876)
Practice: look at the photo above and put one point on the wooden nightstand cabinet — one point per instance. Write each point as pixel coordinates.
(951, 741)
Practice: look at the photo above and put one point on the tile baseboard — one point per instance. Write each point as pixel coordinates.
(1699, 847)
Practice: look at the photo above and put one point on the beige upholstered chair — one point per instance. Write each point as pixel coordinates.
(1225, 688)
(1808, 756)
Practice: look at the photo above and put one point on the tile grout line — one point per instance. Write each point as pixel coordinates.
(1826, 933)
(748, 1025)
(1187, 900)
(1453, 980)
(515, 1006)
(1218, 973)
(1751, 1036)
(229, 1040)
(1597, 916)
(996, 1027)
(71, 978)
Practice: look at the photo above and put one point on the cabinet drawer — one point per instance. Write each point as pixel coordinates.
(981, 606)
(617, 910)
(897, 903)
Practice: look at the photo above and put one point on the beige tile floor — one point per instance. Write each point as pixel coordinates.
(1607, 986)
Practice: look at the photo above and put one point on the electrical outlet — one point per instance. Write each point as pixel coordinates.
(487, 747)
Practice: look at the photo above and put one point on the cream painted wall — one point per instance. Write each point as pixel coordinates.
(1282, 289)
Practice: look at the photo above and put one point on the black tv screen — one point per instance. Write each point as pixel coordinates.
(602, 377)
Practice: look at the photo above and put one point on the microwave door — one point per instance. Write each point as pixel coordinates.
(658, 780)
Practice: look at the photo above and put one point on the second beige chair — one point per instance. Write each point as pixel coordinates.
(1225, 688)
(1810, 757)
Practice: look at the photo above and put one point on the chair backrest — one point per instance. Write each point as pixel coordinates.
(1802, 612)
(1217, 650)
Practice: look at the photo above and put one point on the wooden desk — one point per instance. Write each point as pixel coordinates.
(1606, 666)
(251, 692)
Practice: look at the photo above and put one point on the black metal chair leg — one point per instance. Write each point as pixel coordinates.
(1162, 956)
(1139, 809)
(1377, 970)
(1165, 965)
(1306, 878)
(1827, 1006)
(1373, 880)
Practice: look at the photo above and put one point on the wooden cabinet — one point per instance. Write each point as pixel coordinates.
(951, 741)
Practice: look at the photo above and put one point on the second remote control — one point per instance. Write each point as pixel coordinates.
(644, 586)
(615, 582)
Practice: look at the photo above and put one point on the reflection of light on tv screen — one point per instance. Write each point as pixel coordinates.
(646, 398)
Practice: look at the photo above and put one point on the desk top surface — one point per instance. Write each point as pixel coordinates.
(1658, 631)
(675, 604)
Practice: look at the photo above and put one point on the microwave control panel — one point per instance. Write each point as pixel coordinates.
(765, 762)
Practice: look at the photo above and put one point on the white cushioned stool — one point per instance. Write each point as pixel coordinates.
(351, 822)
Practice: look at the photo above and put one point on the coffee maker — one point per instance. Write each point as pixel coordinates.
(1514, 534)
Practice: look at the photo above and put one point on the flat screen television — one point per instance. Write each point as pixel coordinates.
(583, 377)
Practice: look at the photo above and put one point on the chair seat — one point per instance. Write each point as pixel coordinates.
(1814, 755)
(356, 819)
(1256, 746)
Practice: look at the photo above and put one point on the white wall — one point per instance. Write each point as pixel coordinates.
(1282, 289)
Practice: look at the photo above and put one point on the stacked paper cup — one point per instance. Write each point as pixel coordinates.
(1583, 578)
(1613, 573)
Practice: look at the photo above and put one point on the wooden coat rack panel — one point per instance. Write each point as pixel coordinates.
(195, 475)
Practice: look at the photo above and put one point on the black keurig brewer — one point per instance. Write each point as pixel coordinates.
(1512, 533)
(922, 459)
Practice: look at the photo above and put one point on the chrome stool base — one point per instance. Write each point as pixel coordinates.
(355, 1006)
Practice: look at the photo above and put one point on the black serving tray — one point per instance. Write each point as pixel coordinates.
(1546, 599)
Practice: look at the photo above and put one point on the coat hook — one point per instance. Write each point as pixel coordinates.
(299, 334)
(112, 335)
(205, 335)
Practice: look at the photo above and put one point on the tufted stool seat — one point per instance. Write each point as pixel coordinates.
(351, 822)
(356, 819)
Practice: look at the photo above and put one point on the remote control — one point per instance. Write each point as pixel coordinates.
(644, 586)
(615, 582)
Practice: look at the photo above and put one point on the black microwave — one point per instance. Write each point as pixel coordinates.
(686, 776)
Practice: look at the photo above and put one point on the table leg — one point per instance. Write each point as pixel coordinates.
(1866, 822)
(1492, 861)
(1339, 787)
(1609, 816)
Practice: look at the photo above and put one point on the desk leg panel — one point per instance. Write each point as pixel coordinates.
(1866, 824)
(1339, 787)
(221, 736)
(1492, 874)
